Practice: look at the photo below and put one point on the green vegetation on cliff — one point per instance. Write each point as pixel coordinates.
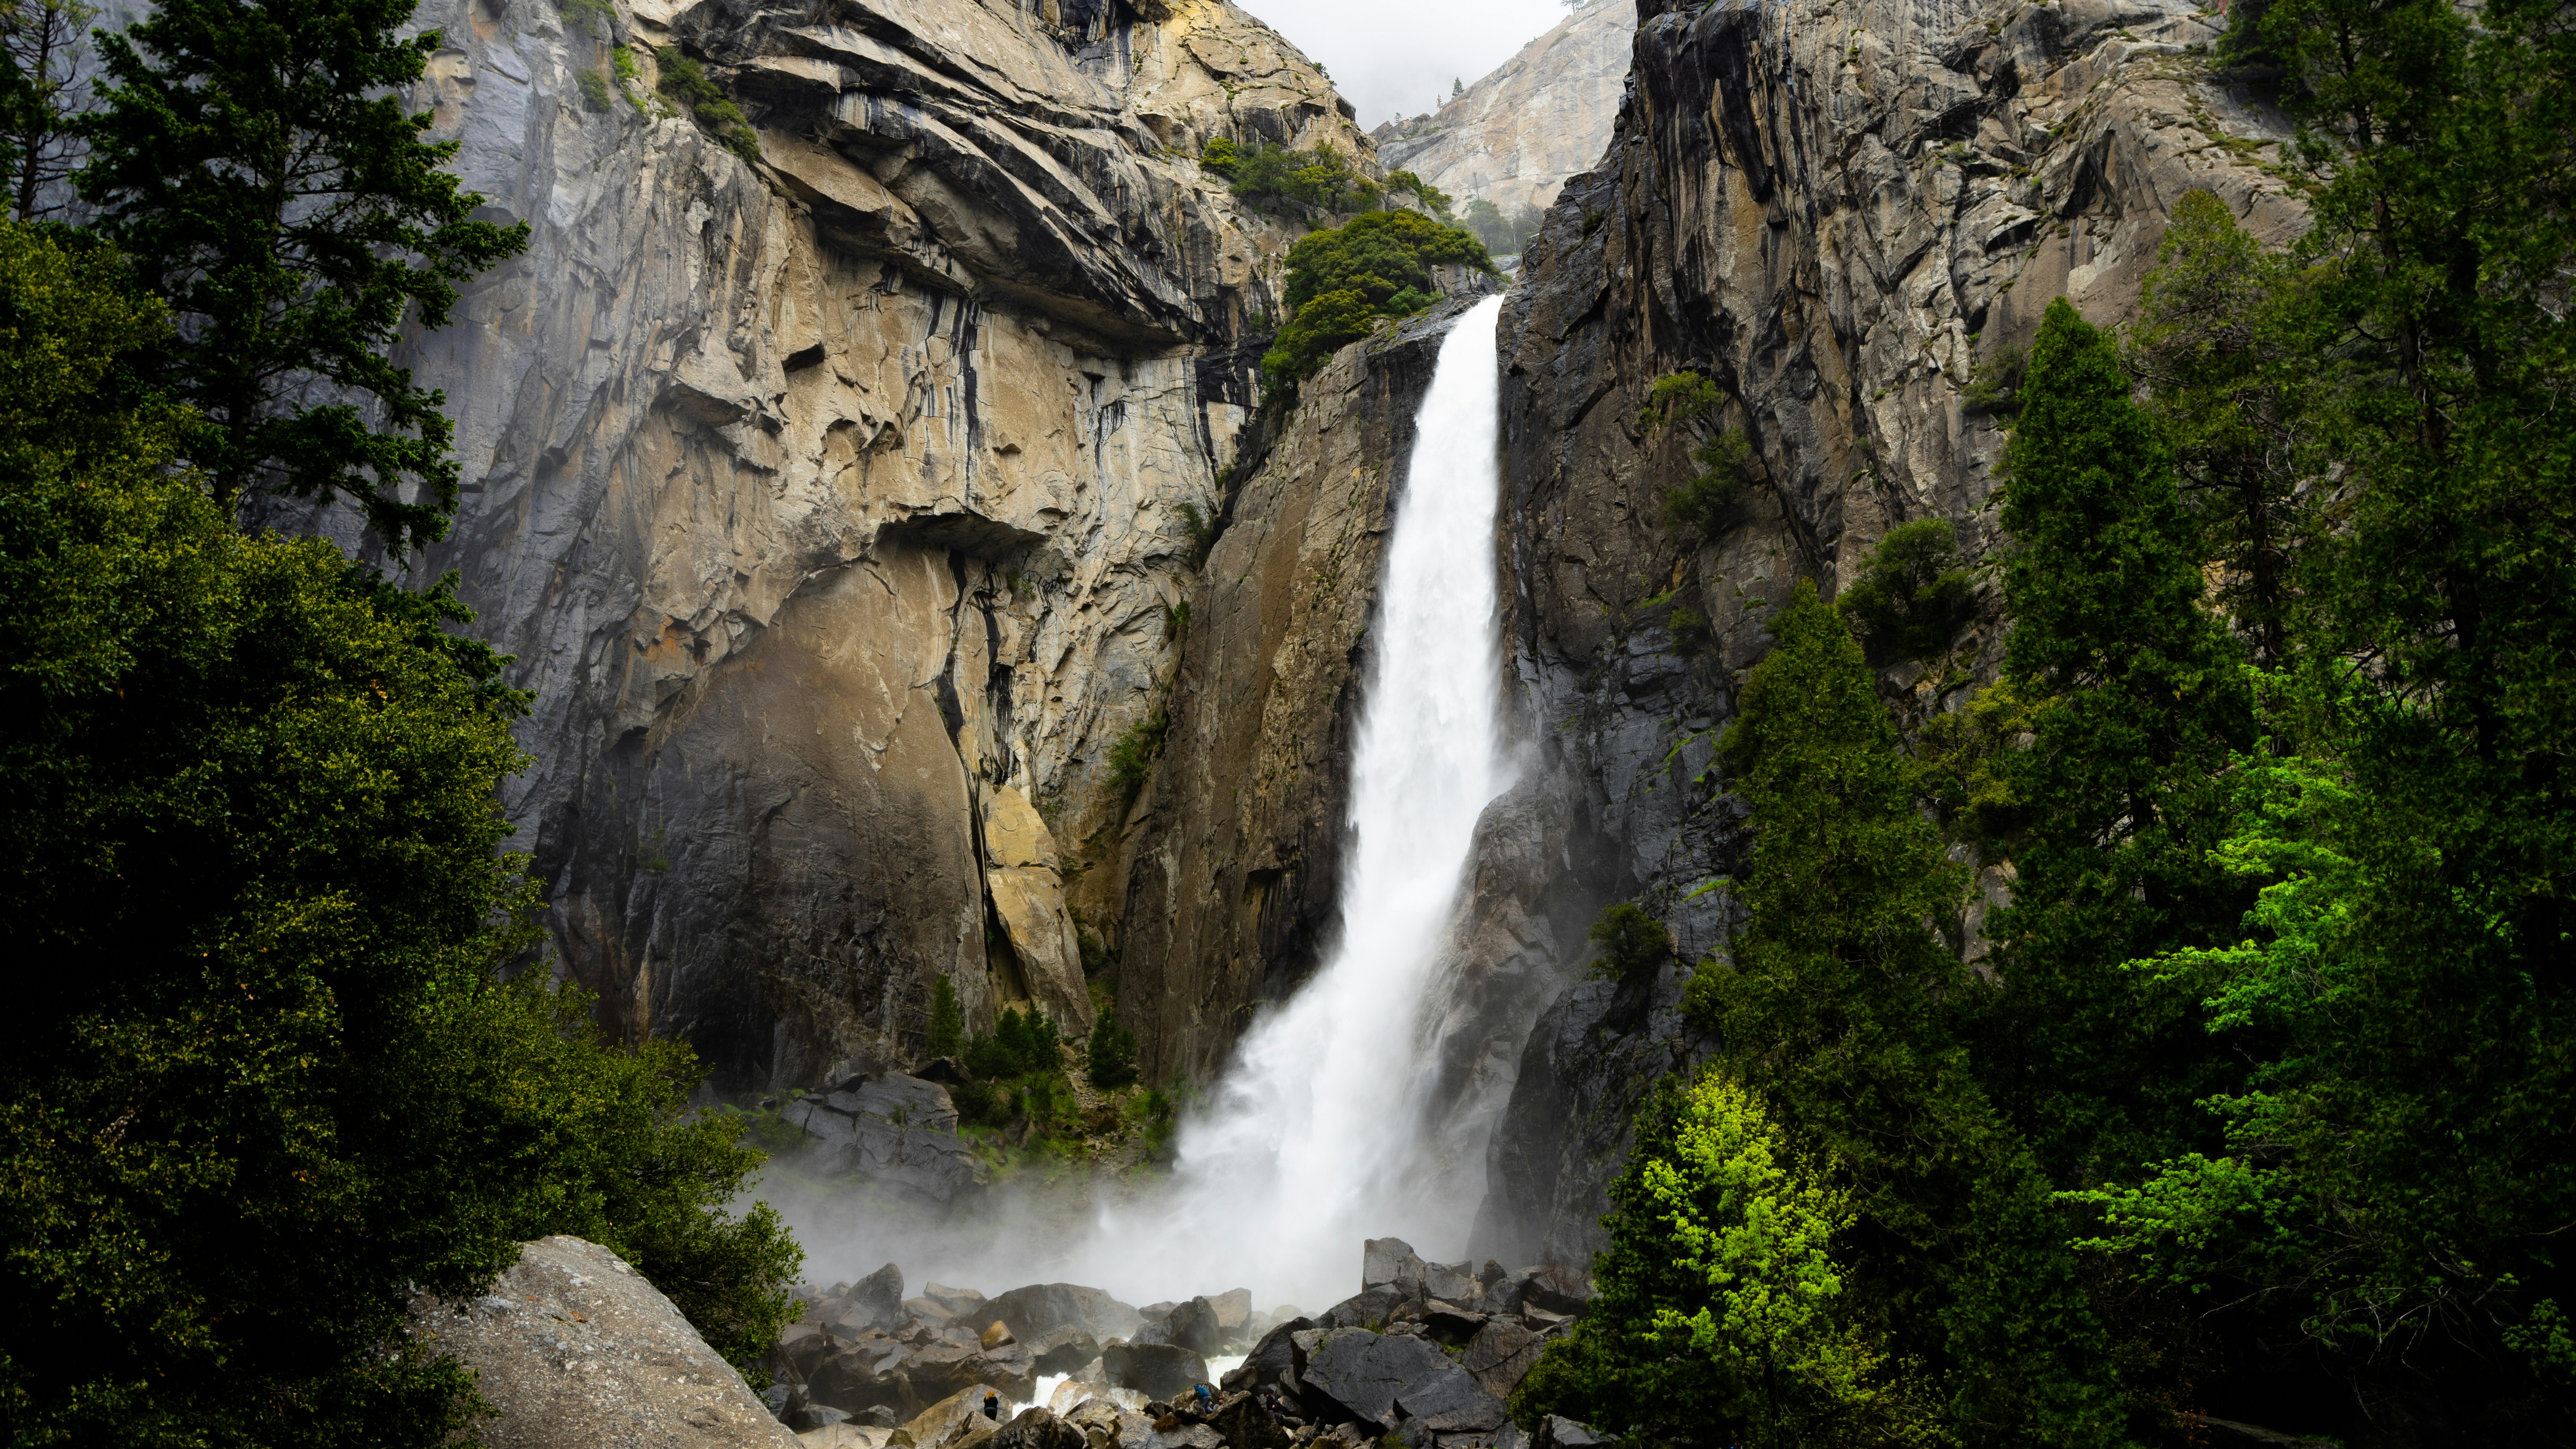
(2253, 1097)
(1341, 282)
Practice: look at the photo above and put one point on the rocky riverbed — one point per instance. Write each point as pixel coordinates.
(1424, 1353)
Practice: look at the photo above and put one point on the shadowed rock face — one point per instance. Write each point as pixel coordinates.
(1821, 212)
(831, 503)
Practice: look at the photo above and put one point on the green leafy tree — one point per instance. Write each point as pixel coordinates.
(1341, 282)
(1322, 178)
(1854, 1020)
(1631, 942)
(253, 162)
(1912, 595)
(1721, 1313)
(270, 1083)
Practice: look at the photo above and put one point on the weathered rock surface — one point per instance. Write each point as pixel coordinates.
(574, 1349)
(1382, 1378)
(899, 1133)
(1540, 117)
(1834, 214)
(831, 503)
(1034, 1310)
(1156, 1370)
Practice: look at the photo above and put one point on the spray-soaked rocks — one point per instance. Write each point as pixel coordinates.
(898, 1132)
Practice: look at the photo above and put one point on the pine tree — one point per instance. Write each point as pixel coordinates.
(2136, 703)
(1850, 1016)
(252, 159)
(947, 1035)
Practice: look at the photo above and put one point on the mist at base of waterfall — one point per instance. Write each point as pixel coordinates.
(1313, 1139)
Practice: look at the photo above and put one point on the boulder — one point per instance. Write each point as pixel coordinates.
(1558, 1290)
(1450, 1283)
(1389, 1260)
(1039, 1429)
(1033, 1310)
(1276, 1359)
(953, 1300)
(880, 1294)
(811, 1417)
(1099, 1421)
(1063, 1349)
(1500, 1355)
(1373, 1305)
(996, 1334)
(897, 1132)
(946, 1071)
(1556, 1432)
(1243, 1424)
(575, 1350)
(955, 1422)
(1194, 1325)
(1370, 1376)
(939, 1370)
(864, 1375)
(1233, 1308)
(1449, 1323)
(1156, 1370)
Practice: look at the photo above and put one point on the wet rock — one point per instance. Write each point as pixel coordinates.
(1037, 1428)
(1390, 1260)
(1032, 1310)
(880, 1294)
(996, 1334)
(864, 1375)
(1099, 1423)
(1367, 1375)
(811, 1417)
(1276, 1359)
(1063, 1349)
(1500, 1355)
(1449, 1283)
(955, 1422)
(1194, 1326)
(897, 1132)
(1243, 1424)
(1557, 1290)
(1233, 1308)
(1369, 1307)
(952, 1300)
(1156, 1370)
(1449, 1324)
(575, 1350)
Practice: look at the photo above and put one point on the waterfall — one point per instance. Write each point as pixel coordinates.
(1313, 1139)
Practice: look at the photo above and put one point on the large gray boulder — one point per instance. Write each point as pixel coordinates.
(1032, 1310)
(1389, 1260)
(1500, 1355)
(880, 1295)
(1063, 1348)
(1156, 1370)
(898, 1132)
(1276, 1359)
(575, 1350)
(1380, 1378)
(1194, 1326)
(1370, 1306)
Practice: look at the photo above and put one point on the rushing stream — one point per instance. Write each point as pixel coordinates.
(1313, 1138)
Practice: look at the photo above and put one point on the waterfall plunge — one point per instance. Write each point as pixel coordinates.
(1313, 1138)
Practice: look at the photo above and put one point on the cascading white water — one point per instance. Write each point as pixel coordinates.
(1312, 1138)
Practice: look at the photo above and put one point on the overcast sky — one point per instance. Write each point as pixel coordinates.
(1394, 57)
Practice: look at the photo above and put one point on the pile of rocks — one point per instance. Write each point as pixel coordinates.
(895, 1131)
(1424, 1355)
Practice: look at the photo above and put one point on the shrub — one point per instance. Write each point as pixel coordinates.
(1994, 385)
(1341, 282)
(1631, 942)
(1701, 507)
(1689, 628)
(1432, 197)
(1677, 399)
(686, 81)
(1721, 1316)
(1112, 1061)
(594, 89)
(1911, 597)
(1220, 157)
(1131, 760)
(947, 1035)
(1321, 178)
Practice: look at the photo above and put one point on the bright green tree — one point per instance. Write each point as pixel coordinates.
(1913, 594)
(254, 161)
(1721, 1313)
(947, 1035)
(1341, 282)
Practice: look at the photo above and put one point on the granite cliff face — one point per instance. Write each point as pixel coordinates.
(832, 502)
(1834, 211)
(1542, 116)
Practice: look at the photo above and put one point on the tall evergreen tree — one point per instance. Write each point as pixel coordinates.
(2136, 703)
(1846, 1010)
(254, 159)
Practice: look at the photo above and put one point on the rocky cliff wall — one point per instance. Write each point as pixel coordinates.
(1540, 117)
(832, 501)
(1834, 211)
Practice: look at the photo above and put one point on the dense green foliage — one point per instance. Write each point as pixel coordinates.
(1341, 282)
(1912, 595)
(1018, 1070)
(1110, 1060)
(252, 162)
(1721, 1314)
(2259, 1100)
(1131, 758)
(1276, 176)
(684, 80)
(1704, 503)
(1629, 941)
(271, 1079)
(947, 1035)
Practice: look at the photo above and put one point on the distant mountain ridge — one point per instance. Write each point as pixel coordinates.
(1544, 115)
